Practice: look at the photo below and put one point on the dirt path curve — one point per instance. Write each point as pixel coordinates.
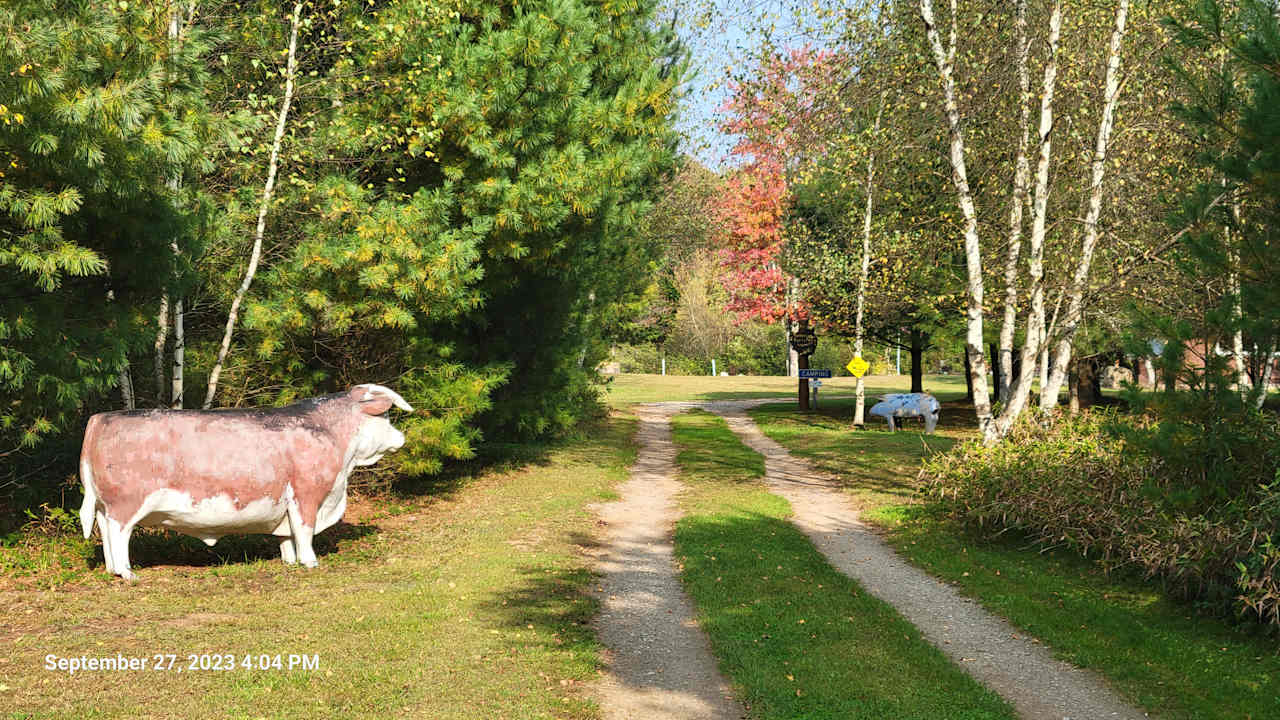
(660, 665)
(987, 647)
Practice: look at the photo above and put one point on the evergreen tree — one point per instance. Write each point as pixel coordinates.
(1231, 83)
(97, 112)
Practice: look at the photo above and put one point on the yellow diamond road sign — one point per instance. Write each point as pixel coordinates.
(858, 366)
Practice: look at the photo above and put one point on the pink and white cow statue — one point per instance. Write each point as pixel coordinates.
(899, 405)
(209, 473)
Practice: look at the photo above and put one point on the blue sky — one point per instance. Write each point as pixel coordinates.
(724, 47)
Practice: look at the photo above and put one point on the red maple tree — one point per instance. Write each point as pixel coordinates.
(769, 114)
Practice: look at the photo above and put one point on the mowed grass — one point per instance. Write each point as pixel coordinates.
(877, 467)
(475, 602)
(797, 638)
(628, 389)
(1159, 653)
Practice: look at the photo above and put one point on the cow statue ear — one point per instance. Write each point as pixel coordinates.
(376, 406)
(376, 399)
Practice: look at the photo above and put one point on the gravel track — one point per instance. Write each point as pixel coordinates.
(995, 653)
(660, 665)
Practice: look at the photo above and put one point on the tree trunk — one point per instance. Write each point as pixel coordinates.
(968, 380)
(1075, 299)
(1171, 361)
(1073, 391)
(860, 392)
(126, 388)
(1019, 394)
(918, 340)
(803, 384)
(1263, 386)
(162, 336)
(944, 62)
(291, 65)
(179, 333)
(1020, 174)
(1086, 383)
(997, 369)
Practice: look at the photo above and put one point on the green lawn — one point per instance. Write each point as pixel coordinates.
(797, 638)
(1159, 653)
(627, 389)
(471, 600)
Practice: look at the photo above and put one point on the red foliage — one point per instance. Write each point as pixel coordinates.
(769, 114)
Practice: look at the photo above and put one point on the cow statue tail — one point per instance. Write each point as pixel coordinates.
(88, 509)
(90, 505)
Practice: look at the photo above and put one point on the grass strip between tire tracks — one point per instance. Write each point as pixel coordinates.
(797, 638)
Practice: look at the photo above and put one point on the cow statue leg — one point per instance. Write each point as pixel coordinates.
(108, 558)
(119, 544)
(892, 428)
(287, 552)
(301, 536)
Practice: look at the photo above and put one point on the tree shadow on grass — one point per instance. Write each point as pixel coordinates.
(557, 602)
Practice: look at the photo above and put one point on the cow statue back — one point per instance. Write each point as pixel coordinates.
(208, 473)
(897, 405)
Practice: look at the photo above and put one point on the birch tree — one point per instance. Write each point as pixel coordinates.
(1075, 293)
(860, 391)
(268, 188)
(1022, 47)
(944, 61)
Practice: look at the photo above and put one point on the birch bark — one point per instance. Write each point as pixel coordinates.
(162, 335)
(1020, 174)
(944, 60)
(179, 332)
(1075, 298)
(1017, 398)
(268, 189)
(1264, 380)
(1237, 310)
(860, 390)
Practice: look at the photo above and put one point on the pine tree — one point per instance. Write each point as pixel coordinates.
(95, 114)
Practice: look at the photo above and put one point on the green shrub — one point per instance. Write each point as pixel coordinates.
(1190, 499)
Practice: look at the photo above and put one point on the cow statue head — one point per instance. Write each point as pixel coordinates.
(376, 435)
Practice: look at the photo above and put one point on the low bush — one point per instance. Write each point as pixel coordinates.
(1177, 492)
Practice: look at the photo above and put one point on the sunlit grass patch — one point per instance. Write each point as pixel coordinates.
(626, 389)
(797, 638)
(877, 467)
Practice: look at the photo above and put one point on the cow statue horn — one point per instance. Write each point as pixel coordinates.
(371, 389)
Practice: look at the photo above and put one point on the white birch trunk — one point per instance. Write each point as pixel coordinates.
(944, 60)
(1035, 255)
(1020, 174)
(179, 334)
(1264, 380)
(1075, 298)
(162, 335)
(860, 390)
(126, 388)
(268, 189)
(1237, 309)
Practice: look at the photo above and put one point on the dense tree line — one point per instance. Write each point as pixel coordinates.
(445, 197)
